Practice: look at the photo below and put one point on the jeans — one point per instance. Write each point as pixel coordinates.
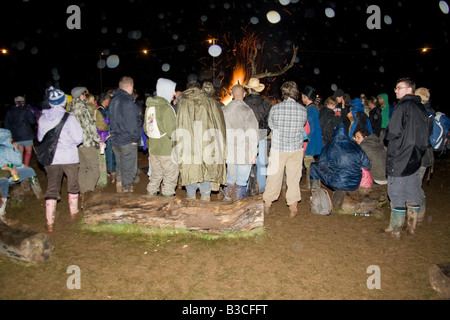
(261, 163)
(205, 189)
(24, 174)
(4, 187)
(126, 163)
(110, 158)
(238, 174)
(403, 191)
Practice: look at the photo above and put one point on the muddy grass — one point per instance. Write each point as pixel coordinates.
(309, 257)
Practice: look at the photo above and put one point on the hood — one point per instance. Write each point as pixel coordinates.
(340, 132)
(165, 88)
(5, 137)
(385, 98)
(53, 113)
(357, 105)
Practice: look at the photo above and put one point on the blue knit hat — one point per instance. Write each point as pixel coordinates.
(56, 98)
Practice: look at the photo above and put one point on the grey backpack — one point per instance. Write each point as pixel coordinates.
(320, 202)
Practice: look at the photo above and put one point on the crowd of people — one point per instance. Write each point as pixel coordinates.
(197, 142)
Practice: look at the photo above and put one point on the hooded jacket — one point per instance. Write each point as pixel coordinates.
(71, 135)
(408, 132)
(7, 152)
(385, 112)
(200, 140)
(360, 118)
(125, 119)
(83, 112)
(340, 163)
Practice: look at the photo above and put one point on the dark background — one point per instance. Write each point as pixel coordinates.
(340, 50)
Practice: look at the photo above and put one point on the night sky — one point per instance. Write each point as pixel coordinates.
(336, 48)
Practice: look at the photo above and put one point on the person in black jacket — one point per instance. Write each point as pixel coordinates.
(261, 108)
(328, 119)
(407, 135)
(375, 115)
(20, 121)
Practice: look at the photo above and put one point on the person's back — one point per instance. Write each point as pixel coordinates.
(197, 114)
(340, 163)
(370, 143)
(19, 121)
(124, 119)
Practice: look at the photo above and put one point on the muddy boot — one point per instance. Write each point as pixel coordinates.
(73, 205)
(206, 198)
(36, 187)
(50, 209)
(267, 206)
(293, 210)
(112, 177)
(119, 186)
(191, 197)
(228, 192)
(396, 223)
(412, 213)
(421, 214)
(3, 219)
(240, 192)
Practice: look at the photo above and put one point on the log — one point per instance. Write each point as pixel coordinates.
(362, 200)
(25, 245)
(440, 279)
(159, 212)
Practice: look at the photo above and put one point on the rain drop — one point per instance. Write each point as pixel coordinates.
(113, 61)
(34, 50)
(175, 37)
(101, 64)
(165, 67)
(203, 18)
(333, 87)
(119, 30)
(254, 20)
(192, 77)
(285, 2)
(104, 30)
(273, 17)
(181, 47)
(215, 50)
(226, 5)
(444, 7)
(387, 19)
(20, 45)
(316, 70)
(329, 12)
(381, 69)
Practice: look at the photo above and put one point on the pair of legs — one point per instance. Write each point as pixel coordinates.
(279, 162)
(205, 190)
(126, 164)
(237, 178)
(26, 150)
(164, 170)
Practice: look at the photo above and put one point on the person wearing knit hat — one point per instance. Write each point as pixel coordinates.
(66, 158)
(20, 120)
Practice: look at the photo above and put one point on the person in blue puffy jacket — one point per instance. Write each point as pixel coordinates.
(340, 163)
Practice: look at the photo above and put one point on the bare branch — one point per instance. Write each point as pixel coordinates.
(273, 74)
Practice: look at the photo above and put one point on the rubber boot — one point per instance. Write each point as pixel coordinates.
(396, 223)
(412, 213)
(315, 183)
(73, 204)
(240, 192)
(421, 214)
(50, 209)
(228, 192)
(3, 219)
(27, 158)
(293, 210)
(36, 187)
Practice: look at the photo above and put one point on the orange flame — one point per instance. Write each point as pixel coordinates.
(238, 78)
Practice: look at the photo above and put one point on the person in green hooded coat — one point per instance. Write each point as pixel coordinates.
(200, 143)
(383, 100)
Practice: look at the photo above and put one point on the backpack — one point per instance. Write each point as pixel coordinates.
(320, 202)
(441, 127)
(151, 125)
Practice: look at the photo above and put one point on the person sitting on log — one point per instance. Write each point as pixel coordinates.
(11, 160)
(371, 145)
(340, 163)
